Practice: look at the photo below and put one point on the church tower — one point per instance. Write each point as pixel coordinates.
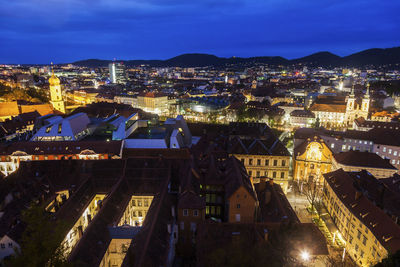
(351, 101)
(350, 107)
(56, 98)
(365, 103)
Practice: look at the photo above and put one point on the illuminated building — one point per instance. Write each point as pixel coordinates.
(385, 142)
(56, 98)
(8, 110)
(311, 159)
(106, 208)
(356, 161)
(12, 155)
(301, 118)
(77, 231)
(153, 102)
(263, 158)
(56, 128)
(338, 112)
(364, 210)
(117, 72)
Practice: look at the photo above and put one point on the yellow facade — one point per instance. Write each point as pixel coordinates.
(136, 210)
(56, 98)
(313, 162)
(276, 167)
(116, 252)
(360, 243)
(75, 234)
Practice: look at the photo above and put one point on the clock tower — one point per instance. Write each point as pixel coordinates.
(56, 98)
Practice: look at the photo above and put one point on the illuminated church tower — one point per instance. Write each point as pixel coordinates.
(365, 103)
(56, 98)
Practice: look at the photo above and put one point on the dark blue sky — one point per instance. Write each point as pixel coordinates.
(40, 31)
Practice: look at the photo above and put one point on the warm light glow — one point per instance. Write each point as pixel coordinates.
(305, 256)
(314, 152)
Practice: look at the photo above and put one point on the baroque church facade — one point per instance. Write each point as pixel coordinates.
(341, 112)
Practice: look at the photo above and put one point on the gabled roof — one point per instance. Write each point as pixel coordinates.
(378, 222)
(362, 159)
(9, 109)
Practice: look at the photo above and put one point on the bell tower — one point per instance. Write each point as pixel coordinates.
(56, 98)
(365, 103)
(351, 101)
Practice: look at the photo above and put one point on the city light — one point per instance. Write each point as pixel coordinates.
(305, 255)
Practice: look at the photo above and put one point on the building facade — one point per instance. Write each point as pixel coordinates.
(369, 234)
(311, 159)
(56, 97)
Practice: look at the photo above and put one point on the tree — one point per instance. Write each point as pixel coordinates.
(311, 190)
(316, 124)
(244, 250)
(41, 242)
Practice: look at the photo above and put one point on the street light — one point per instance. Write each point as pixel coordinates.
(305, 256)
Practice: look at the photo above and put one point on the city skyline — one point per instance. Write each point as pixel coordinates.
(68, 31)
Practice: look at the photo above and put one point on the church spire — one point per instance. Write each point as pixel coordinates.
(367, 93)
(352, 91)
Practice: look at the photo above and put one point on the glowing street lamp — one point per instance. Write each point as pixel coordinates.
(305, 256)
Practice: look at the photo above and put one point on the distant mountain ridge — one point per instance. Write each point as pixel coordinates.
(373, 57)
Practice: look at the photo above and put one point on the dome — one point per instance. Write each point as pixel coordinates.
(54, 80)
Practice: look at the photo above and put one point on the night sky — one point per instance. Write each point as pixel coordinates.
(40, 31)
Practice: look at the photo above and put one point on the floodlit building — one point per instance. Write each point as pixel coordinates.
(56, 97)
(56, 128)
(366, 212)
(354, 161)
(117, 72)
(339, 112)
(311, 159)
(153, 102)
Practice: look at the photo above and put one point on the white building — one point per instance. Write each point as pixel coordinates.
(56, 128)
